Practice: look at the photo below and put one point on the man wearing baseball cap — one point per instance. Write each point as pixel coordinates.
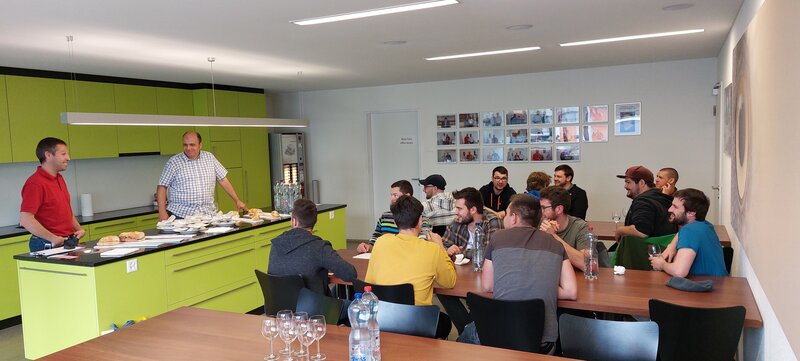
(647, 218)
(438, 206)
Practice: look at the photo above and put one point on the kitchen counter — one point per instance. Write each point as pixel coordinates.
(16, 230)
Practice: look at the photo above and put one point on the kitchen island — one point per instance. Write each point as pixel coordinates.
(65, 302)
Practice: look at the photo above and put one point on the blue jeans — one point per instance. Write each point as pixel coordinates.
(37, 244)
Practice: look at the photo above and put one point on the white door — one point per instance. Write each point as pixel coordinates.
(394, 155)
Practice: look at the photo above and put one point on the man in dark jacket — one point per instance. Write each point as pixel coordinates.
(497, 194)
(299, 252)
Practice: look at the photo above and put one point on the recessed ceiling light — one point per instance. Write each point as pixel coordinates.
(493, 52)
(395, 42)
(376, 12)
(634, 37)
(676, 7)
(519, 27)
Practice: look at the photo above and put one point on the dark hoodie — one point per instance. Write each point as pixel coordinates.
(496, 202)
(649, 213)
(298, 252)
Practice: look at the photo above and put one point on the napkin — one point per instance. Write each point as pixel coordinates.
(684, 284)
(619, 270)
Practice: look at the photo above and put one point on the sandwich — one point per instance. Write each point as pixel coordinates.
(134, 236)
(108, 241)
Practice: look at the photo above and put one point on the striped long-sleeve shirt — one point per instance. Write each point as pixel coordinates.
(386, 225)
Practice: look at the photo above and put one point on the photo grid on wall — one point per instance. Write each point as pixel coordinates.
(531, 135)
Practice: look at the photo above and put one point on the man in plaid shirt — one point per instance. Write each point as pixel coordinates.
(439, 205)
(469, 211)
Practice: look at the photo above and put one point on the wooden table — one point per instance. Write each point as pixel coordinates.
(628, 294)
(604, 230)
(199, 334)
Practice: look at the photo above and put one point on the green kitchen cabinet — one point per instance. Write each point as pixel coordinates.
(5, 134)
(228, 153)
(34, 112)
(227, 105)
(331, 227)
(91, 141)
(135, 99)
(9, 298)
(173, 102)
(113, 228)
(255, 164)
(252, 105)
(223, 199)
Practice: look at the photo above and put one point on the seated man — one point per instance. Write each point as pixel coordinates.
(697, 244)
(438, 205)
(386, 224)
(299, 252)
(570, 231)
(405, 258)
(470, 211)
(524, 263)
(666, 179)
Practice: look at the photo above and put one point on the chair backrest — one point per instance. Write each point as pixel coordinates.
(516, 325)
(280, 292)
(408, 319)
(403, 293)
(689, 333)
(727, 255)
(600, 340)
(317, 304)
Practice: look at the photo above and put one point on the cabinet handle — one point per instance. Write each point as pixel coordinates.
(115, 225)
(265, 245)
(209, 261)
(56, 272)
(222, 294)
(216, 245)
(246, 189)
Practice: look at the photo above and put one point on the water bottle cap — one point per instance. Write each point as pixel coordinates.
(357, 296)
(591, 228)
(367, 288)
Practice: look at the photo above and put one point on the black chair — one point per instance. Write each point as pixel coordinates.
(280, 292)
(727, 255)
(408, 319)
(403, 293)
(516, 325)
(600, 340)
(689, 333)
(317, 304)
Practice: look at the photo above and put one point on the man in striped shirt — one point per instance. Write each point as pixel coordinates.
(386, 224)
(438, 207)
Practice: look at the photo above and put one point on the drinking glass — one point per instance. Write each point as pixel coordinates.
(306, 336)
(301, 326)
(616, 217)
(318, 326)
(269, 329)
(285, 321)
(288, 333)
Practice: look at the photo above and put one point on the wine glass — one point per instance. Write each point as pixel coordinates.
(306, 336)
(288, 333)
(285, 321)
(269, 329)
(318, 326)
(616, 217)
(301, 325)
(654, 250)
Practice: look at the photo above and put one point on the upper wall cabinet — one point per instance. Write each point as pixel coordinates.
(222, 103)
(90, 141)
(5, 135)
(34, 112)
(252, 105)
(135, 99)
(173, 102)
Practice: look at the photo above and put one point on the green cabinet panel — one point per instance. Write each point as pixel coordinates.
(209, 272)
(331, 227)
(9, 298)
(228, 153)
(115, 227)
(173, 102)
(224, 102)
(5, 133)
(135, 99)
(255, 163)
(240, 297)
(226, 204)
(123, 295)
(34, 112)
(223, 133)
(148, 221)
(89, 141)
(252, 105)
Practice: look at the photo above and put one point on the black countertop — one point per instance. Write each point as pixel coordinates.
(93, 258)
(16, 230)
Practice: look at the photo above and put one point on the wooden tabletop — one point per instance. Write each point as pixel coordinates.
(197, 334)
(628, 294)
(604, 230)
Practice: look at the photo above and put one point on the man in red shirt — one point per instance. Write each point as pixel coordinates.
(46, 211)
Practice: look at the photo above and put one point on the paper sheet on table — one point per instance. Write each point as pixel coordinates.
(142, 244)
(362, 256)
(218, 230)
(54, 251)
(169, 238)
(118, 252)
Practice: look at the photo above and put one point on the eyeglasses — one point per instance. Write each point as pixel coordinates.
(545, 207)
(500, 178)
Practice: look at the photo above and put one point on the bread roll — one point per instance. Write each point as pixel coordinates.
(275, 214)
(255, 213)
(108, 241)
(131, 236)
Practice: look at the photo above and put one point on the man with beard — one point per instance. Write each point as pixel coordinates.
(579, 203)
(698, 248)
(438, 205)
(497, 194)
(386, 224)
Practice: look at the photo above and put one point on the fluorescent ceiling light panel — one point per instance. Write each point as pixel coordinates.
(493, 52)
(376, 12)
(73, 118)
(634, 37)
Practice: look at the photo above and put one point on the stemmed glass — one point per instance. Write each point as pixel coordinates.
(616, 217)
(318, 327)
(306, 336)
(301, 325)
(654, 250)
(285, 331)
(269, 329)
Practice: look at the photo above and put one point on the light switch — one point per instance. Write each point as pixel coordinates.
(133, 265)
(330, 215)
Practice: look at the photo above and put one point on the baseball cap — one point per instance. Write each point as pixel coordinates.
(435, 180)
(637, 173)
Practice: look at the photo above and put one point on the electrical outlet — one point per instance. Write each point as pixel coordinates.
(330, 215)
(132, 265)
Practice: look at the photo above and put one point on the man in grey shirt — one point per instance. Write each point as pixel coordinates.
(570, 231)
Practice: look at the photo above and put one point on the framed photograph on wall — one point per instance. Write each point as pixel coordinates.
(541, 115)
(568, 134)
(566, 153)
(468, 120)
(542, 135)
(492, 119)
(595, 113)
(541, 153)
(493, 155)
(514, 154)
(494, 136)
(446, 121)
(595, 133)
(468, 137)
(446, 156)
(517, 117)
(445, 138)
(628, 119)
(517, 136)
(469, 155)
(566, 115)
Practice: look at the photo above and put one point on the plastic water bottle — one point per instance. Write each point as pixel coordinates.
(371, 301)
(590, 256)
(360, 339)
(477, 253)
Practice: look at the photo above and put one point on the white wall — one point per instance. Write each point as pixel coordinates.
(678, 129)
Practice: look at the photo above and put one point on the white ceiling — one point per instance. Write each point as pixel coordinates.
(255, 45)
